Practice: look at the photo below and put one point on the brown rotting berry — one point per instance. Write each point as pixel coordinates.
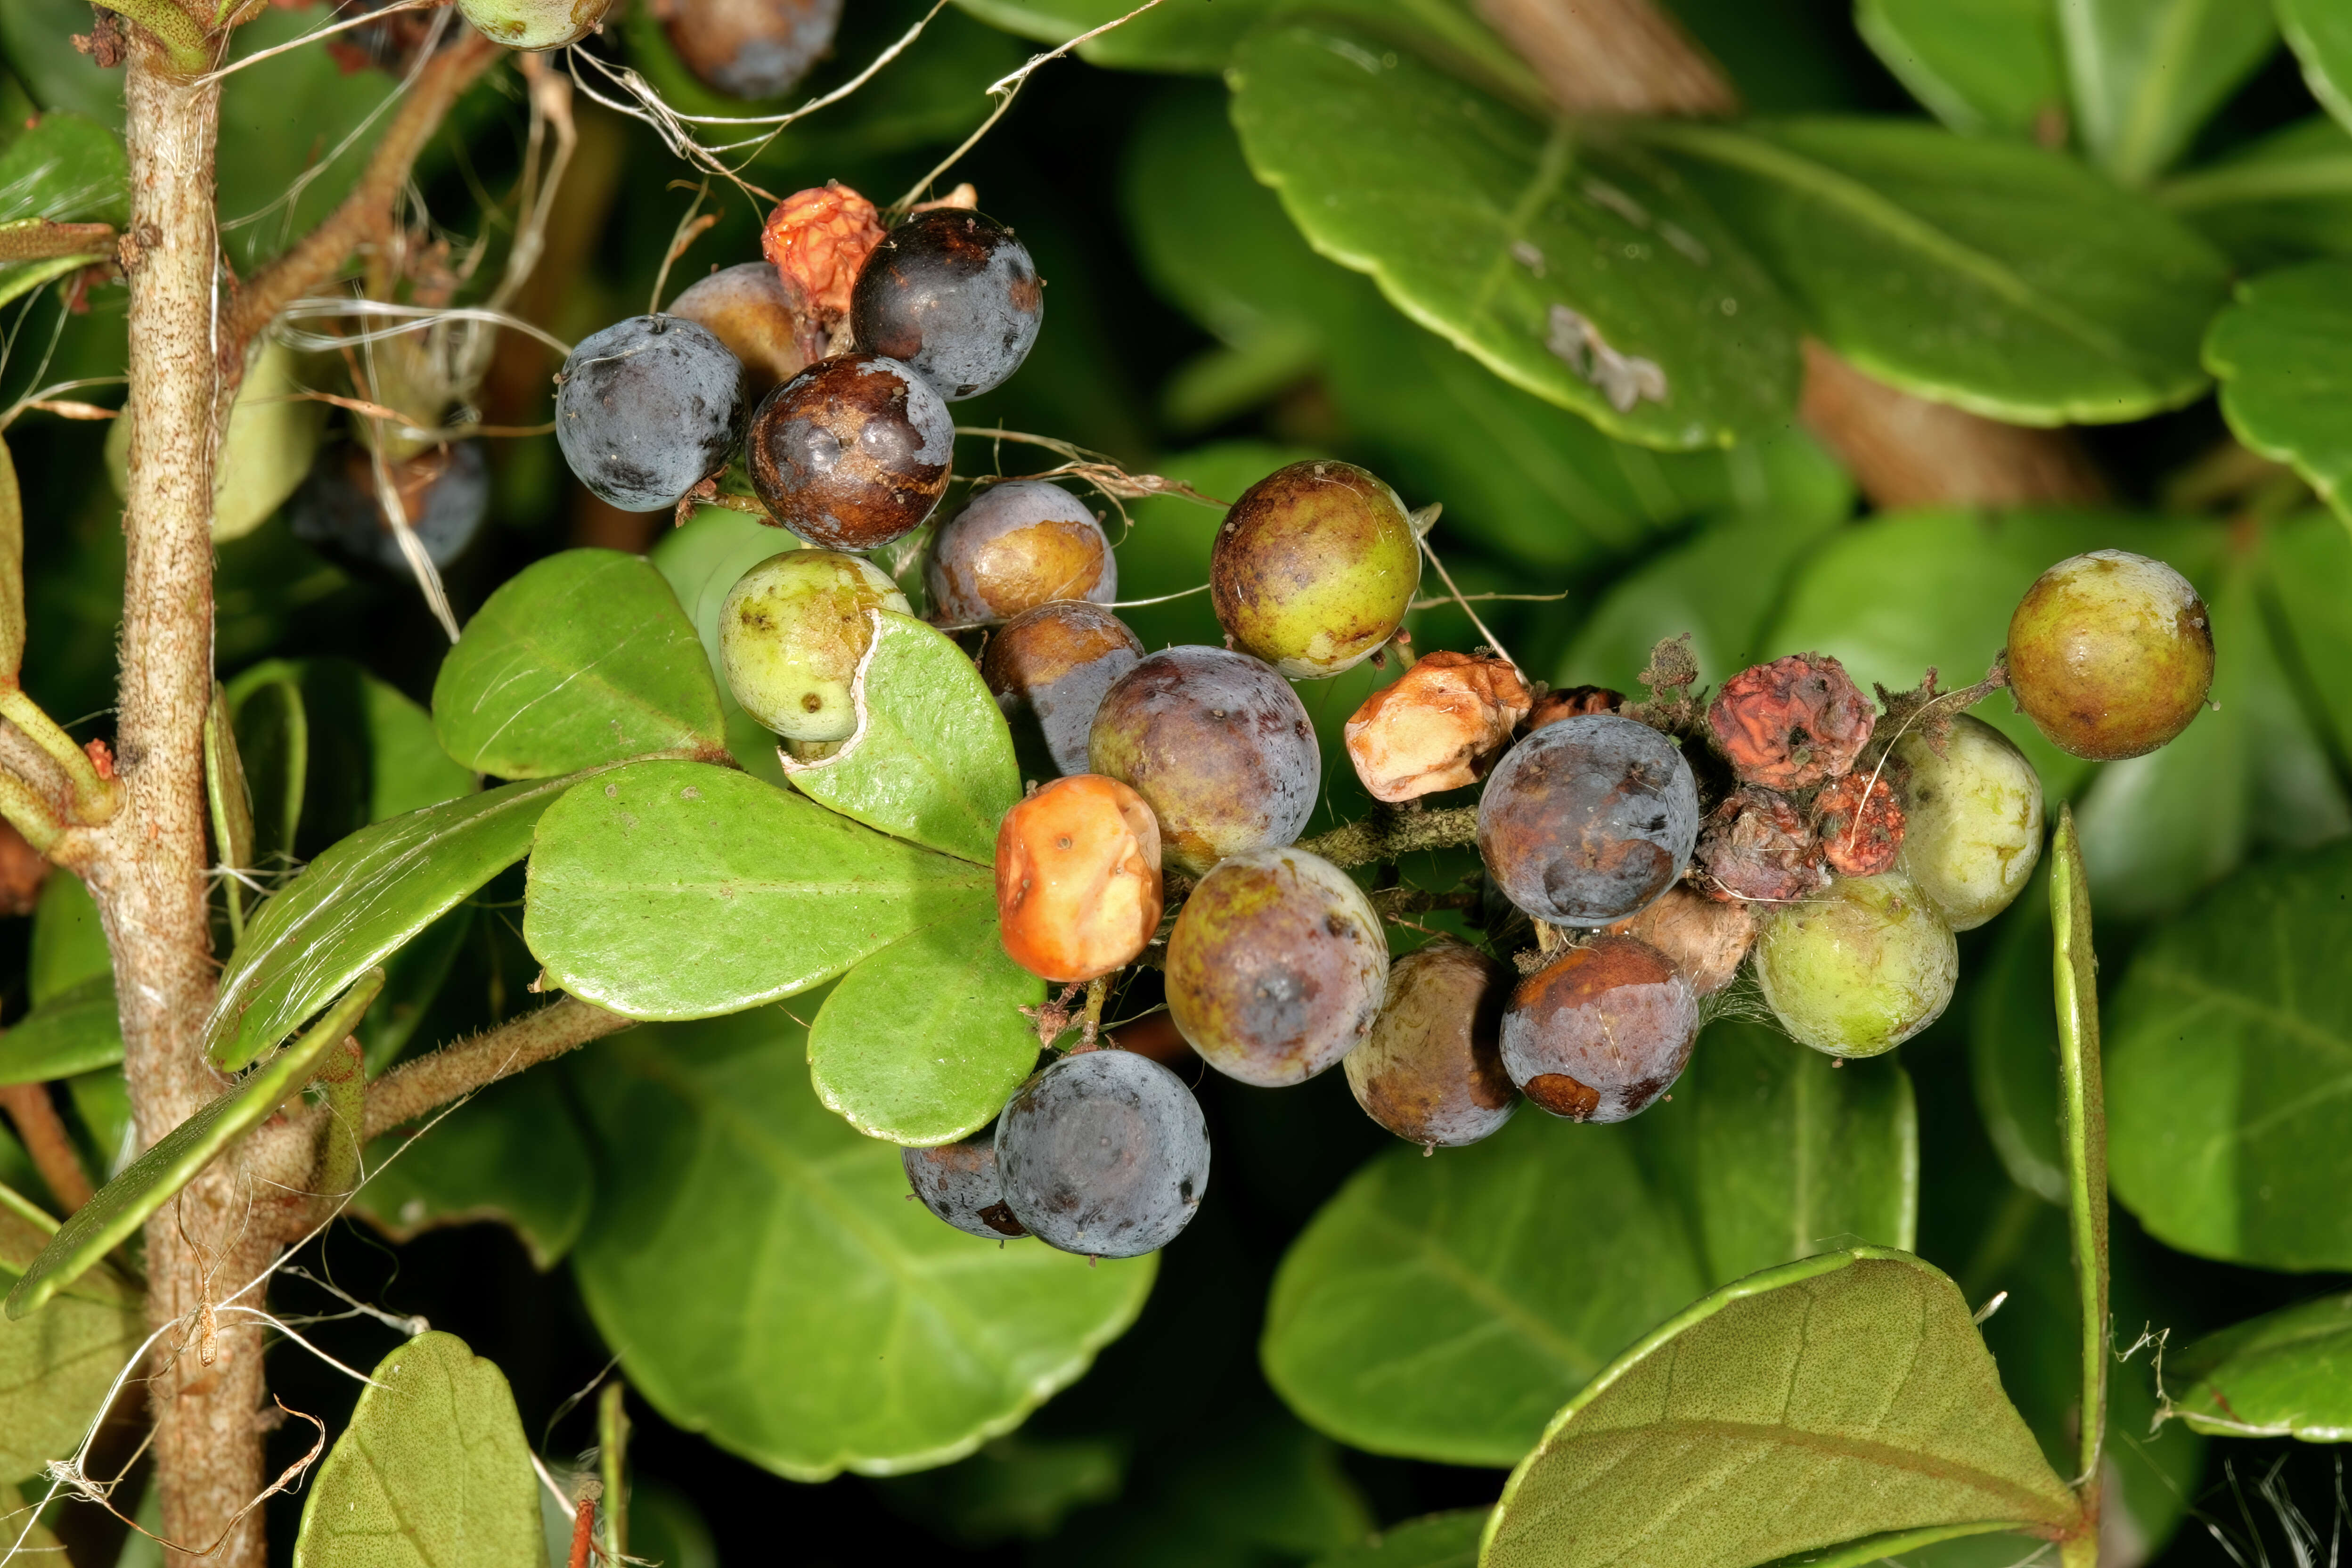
(1861, 825)
(1756, 845)
(1793, 722)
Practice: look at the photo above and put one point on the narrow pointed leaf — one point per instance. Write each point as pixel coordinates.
(2147, 73)
(77, 1032)
(433, 1473)
(680, 890)
(924, 1042)
(359, 903)
(115, 1214)
(2282, 353)
(1849, 1389)
(2285, 1374)
(1584, 273)
(582, 658)
(2081, 1112)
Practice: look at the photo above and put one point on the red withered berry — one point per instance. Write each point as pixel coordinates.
(1861, 825)
(1756, 845)
(1077, 878)
(1793, 722)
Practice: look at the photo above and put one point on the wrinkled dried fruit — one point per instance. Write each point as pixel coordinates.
(791, 633)
(1861, 969)
(646, 409)
(535, 25)
(1314, 568)
(953, 294)
(1276, 966)
(750, 48)
(746, 308)
(1439, 726)
(1758, 845)
(1975, 821)
(1572, 702)
(1861, 825)
(1049, 669)
(2110, 654)
(1793, 722)
(1587, 820)
(851, 453)
(1016, 546)
(1077, 878)
(1432, 1070)
(1705, 939)
(957, 1182)
(1105, 1152)
(817, 240)
(1601, 1031)
(1217, 744)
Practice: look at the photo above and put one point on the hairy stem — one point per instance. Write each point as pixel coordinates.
(37, 239)
(1386, 834)
(181, 41)
(428, 1082)
(46, 1140)
(345, 1080)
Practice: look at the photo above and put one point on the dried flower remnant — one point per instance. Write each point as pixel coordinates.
(1756, 845)
(1791, 723)
(1439, 726)
(817, 240)
(1624, 379)
(1861, 825)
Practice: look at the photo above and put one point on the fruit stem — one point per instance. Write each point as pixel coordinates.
(1389, 834)
(2082, 1123)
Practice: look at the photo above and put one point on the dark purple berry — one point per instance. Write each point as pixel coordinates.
(954, 295)
(338, 510)
(648, 408)
(958, 1182)
(749, 48)
(1588, 819)
(1105, 1152)
(1049, 669)
(1601, 1031)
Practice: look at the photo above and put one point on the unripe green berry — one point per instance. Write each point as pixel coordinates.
(1973, 828)
(1314, 568)
(535, 25)
(791, 634)
(2110, 654)
(1859, 970)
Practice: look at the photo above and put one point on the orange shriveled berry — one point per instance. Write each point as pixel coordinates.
(1077, 878)
(817, 240)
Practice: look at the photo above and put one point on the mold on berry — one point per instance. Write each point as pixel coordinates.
(1588, 819)
(1860, 824)
(1758, 846)
(1016, 546)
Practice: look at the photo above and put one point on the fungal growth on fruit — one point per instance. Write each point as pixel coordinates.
(1049, 669)
(1217, 744)
(746, 308)
(1314, 568)
(1791, 723)
(1757, 846)
(1974, 828)
(535, 25)
(958, 1182)
(1016, 546)
(648, 408)
(1861, 825)
(1859, 970)
(1439, 726)
(1601, 1031)
(1588, 819)
(445, 493)
(1277, 966)
(1104, 1153)
(749, 48)
(851, 453)
(2110, 654)
(1077, 878)
(1432, 1070)
(791, 633)
(953, 294)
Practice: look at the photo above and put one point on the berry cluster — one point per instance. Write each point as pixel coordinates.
(1637, 857)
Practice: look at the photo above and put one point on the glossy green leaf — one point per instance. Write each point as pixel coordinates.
(273, 433)
(1583, 272)
(513, 1154)
(758, 1267)
(2287, 1374)
(2226, 1059)
(407, 769)
(581, 658)
(68, 944)
(115, 1214)
(76, 1032)
(2308, 582)
(359, 903)
(678, 890)
(932, 761)
(1440, 1540)
(924, 1042)
(2082, 1118)
(2147, 73)
(1850, 1388)
(433, 1473)
(2282, 353)
(57, 1367)
(2277, 199)
(66, 169)
(2009, 281)
(1985, 67)
(1440, 1307)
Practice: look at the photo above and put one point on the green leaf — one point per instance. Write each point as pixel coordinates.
(2147, 73)
(924, 1042)
(2282, 353)
(115, 1214)
(2013, 1048)
(1985, 67)
(1518, 239)
(2007, 280)
(1849, 1388)
(273, 433)
(1190, 37)
(2277, 199)
(359, 903)
(68, 944)
(678, 890)
(758, 1267)
(2082, 1116)
(932, 760)
(76, 1032)
(513, 1153)
(1441, 1541)
(1014, 1488)
(272, 721)
(56, 1368)
(582, 658)
(66, 169)
(433, 1473)
(407, 769)
(2287, 1374)
(2227, 1065)
(1440, 1309)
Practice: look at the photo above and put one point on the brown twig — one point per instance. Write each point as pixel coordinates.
(46, 1140)
(1387, 835)
(411, 1089)
(369, 213)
